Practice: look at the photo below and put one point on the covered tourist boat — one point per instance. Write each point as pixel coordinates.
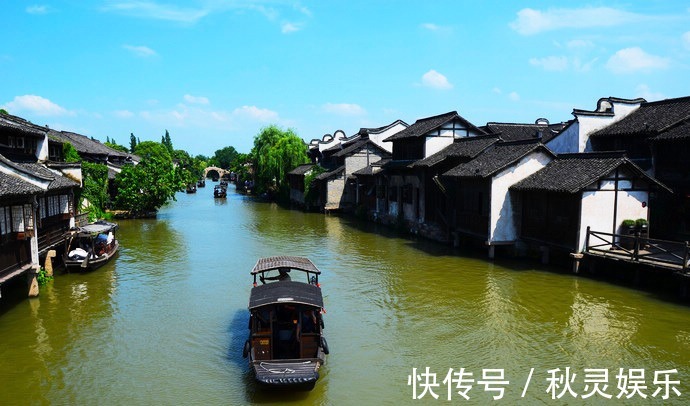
(286, 346)
(220, 191)
(91, 246)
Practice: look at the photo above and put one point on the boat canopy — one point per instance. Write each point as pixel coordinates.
(285, 292)
(271, 263)
(99, 227)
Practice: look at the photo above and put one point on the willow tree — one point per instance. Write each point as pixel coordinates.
(276, 152)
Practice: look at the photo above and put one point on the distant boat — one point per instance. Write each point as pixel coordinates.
(191, 188)
(220, 191)
(286, 346)
(91, 246)
(201, 182)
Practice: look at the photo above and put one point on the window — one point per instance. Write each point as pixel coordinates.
(17, 219)
(5, 221)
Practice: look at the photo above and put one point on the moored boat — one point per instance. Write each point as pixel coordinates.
(191, 188)
(91, 246)
(286, 347)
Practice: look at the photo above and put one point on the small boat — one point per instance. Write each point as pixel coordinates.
(220, 191)
(191, 188)
(91, 246)
(201, 183)
(286, 346)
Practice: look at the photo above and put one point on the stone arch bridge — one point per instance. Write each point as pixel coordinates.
(221, 172)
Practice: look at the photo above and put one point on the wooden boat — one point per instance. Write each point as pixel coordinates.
(220, 191)
(91, 246)
(191, 188)
(201, 183)
(286, 346)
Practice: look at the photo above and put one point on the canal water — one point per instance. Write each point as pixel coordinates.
(164, 323)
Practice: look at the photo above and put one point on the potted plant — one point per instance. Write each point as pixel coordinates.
(642, 228)
(627, 239)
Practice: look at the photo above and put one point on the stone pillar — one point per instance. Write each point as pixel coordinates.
(492, 251)
(48, 265)
(33, 281)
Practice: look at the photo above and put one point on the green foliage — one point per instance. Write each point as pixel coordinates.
(145, 187)
(70, 153)
(641, 222)
(132, 142)
(42, 277)
(95, 189)
(275, 153)
(628, 223)
(4, 112)
(224, 158)
(311, 193)
(114, 145)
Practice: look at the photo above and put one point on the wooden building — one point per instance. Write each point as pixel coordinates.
(481, 205)
(574, 191)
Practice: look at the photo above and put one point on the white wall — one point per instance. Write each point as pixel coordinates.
(378, 138)
(435, 143)
(502, 226)
(598, 209)
(334, 193)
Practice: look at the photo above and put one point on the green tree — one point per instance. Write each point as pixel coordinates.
(275, 153)
(224, 157)
(167, 141)
(132, 142)
(70, 153)
(146, 187)
(95, 189)
(114, 145)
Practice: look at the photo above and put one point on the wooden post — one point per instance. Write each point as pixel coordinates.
(686, 258)
(544, 254)
(587, 241)
(636, 246)
(48, 265)
(492, 251)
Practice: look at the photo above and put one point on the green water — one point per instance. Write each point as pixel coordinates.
(164, 323)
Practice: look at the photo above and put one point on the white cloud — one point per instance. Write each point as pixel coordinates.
(436, 80)
(497, 90)
(38, 9)
(289, 27)
(686, 39)
(255, 113)
(530, 21)
(36, 105)
(634, 59)
(645, 92)
(196, 99)
(514, 96)
(344, 109)
(550, 63)
(140, 50)
(153, 10)
(123, 113)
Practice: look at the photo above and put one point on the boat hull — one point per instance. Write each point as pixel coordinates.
(92, 264)
(287, 374)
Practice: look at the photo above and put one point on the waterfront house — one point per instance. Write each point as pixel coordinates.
(36, 196)
(296, 178)
(574, 191)
(541, 129)
(481, 206)
(402, 185)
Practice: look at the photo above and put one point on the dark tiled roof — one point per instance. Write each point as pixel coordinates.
(571, 173)
(496, 158)
(604, 106)
(85, 145)
(467, 148)
(425, 125)
(650, 119)
(369, 169)
(330, 174)
(355, 146)
(677, 131)
(301, 170)
(11, 186)
(516, 132)
(8, 121)
(379, 130)
(58, 181)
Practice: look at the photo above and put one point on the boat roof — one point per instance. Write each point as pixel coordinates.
(299, 263)
(98, 227)
(285, 292)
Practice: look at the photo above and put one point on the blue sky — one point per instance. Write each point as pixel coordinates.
(214, 72)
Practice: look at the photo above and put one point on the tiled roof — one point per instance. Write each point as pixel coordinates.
(369, 169)
(467, 148)
(649, 119)
(425, 125)
(58, 181)
(516, 131)
(571, 173)
(85, 145)
(358, 145)
(330, 174)
(8, 121)
(13, 186)
(497, 157)
(301, 170)
(677, 131)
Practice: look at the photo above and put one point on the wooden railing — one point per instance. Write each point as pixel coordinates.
(637, 248)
